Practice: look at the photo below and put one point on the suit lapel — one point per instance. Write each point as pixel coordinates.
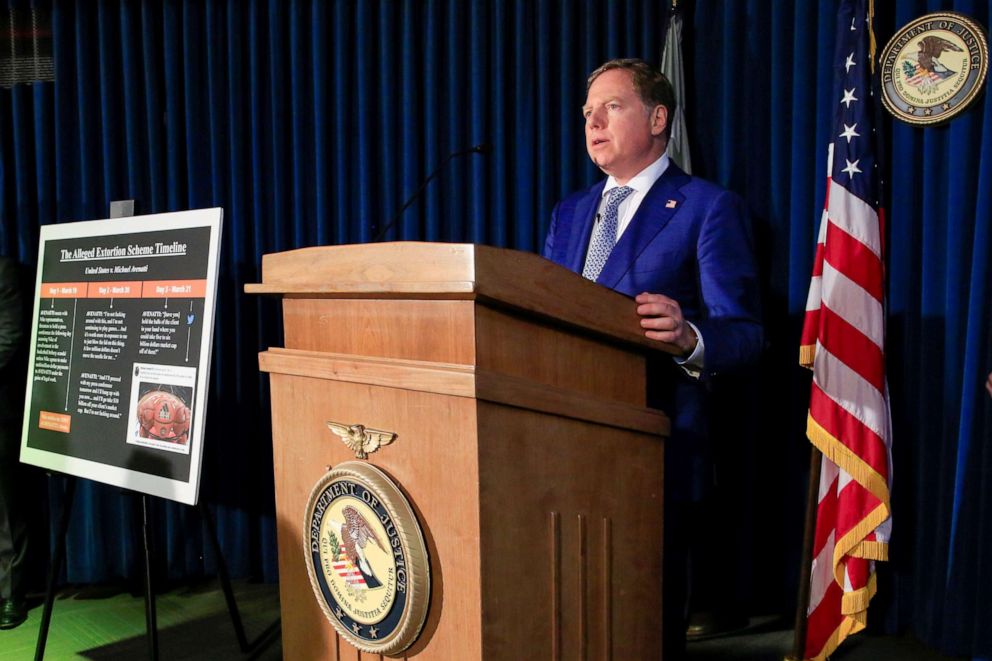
(662, 201)
(583, 218)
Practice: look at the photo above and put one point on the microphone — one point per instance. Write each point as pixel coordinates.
(483, 148)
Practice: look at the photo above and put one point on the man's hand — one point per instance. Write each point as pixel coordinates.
(662, 320)
(988, 384)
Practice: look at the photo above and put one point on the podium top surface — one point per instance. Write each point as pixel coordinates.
(458, 271)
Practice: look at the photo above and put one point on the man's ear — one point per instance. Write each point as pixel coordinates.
(659, 120)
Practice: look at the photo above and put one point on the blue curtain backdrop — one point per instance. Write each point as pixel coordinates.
(311, 122)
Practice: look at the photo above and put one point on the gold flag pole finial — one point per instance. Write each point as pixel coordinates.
(872, 47)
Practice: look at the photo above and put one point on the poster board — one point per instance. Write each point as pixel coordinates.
(120, 350)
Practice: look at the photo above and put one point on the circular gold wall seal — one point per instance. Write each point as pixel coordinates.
(934, 67)
(367, 559)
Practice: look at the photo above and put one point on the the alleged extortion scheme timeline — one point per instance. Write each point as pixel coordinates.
(120, 350)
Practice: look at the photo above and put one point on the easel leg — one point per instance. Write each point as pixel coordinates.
(272, 631)
(150, 623)
(58, 558)
(225, 580)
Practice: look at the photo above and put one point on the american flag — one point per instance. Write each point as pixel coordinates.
(844, 343)
(916, 75)
(349, 573)
(920, 74)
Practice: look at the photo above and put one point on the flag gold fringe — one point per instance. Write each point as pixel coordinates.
(841, 455)
(855, 604)
(847, 627)
(807, 352)
(853, 542)
(850, 625)
(871, 550)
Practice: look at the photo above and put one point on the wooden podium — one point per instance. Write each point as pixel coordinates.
(517, 391)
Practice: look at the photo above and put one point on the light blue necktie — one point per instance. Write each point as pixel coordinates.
(604, 234)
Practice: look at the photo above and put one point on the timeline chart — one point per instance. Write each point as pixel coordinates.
(120, 350)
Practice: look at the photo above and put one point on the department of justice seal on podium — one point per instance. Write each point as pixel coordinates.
(934, 67)
(367, 559)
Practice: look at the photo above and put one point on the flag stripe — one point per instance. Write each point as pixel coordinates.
(849, 212)
(863, 446)
(822, 576)
(827, 505)
(825, 626)
(815, 287)
(843, 478)
(853, 303)
(811, 324)
(850, 391)
(852, 347)
(854, 259)
(829, 472)
(853, 501)
(818, 260)
(821, 238)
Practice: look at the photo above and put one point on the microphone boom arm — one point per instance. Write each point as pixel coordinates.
(477, 149)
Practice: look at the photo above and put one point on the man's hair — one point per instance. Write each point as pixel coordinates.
(649, 83)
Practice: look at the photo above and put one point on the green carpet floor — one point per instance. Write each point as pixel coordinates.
(193, 623)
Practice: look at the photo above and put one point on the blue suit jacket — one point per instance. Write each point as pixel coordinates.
(689, 240)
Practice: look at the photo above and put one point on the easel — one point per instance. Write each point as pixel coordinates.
(58, 559)
(120, 209)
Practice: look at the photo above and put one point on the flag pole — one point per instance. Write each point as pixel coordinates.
(806, 560)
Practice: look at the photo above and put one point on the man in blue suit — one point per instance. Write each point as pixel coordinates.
(682, 248)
